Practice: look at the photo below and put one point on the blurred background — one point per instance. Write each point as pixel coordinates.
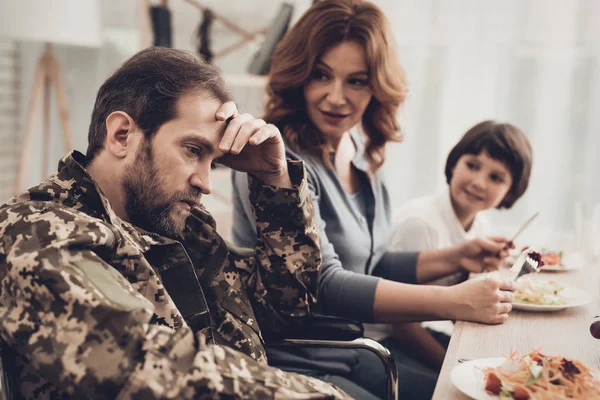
(533, 63)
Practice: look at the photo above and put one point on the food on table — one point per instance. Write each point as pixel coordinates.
(537, 257)
(546, 293)
(552, 258)
(547, 257)
(538, 376)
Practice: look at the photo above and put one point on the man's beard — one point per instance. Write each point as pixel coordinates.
(146, 204)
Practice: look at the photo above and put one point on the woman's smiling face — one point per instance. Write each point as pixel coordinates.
(339, 92)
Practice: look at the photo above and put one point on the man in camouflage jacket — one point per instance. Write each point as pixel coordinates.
(113, 280)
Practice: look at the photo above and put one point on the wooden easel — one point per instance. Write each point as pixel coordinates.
(47, 75)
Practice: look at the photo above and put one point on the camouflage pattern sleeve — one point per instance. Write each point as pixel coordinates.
(283, 274)
(85, 330)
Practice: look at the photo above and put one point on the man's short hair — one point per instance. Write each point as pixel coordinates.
(503, 142)
(147, 87)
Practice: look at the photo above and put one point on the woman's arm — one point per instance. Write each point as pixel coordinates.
(479, 300)
(371, 299)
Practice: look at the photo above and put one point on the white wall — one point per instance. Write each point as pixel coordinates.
(532, 63)
(9, 119)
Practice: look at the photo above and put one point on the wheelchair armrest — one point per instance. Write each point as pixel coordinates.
(333, 332)
(319, 328)
(359, 343)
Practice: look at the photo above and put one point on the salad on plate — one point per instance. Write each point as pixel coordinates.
(546, 293)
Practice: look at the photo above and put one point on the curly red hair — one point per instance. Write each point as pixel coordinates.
(323, 26)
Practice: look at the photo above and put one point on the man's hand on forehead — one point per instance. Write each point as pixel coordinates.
(251, 145)
(227, 111)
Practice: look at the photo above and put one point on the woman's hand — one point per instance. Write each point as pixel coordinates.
(484, 300)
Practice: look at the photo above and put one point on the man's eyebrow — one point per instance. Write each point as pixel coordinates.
(198, 141)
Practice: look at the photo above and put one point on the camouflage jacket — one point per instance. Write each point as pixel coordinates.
(95, 308)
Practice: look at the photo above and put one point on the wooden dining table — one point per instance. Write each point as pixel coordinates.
(565, 332)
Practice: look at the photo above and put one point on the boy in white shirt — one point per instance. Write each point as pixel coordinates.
(488, 168)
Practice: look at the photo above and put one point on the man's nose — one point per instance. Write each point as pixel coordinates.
(201, 180)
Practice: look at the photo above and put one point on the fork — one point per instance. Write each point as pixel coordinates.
(527, 263)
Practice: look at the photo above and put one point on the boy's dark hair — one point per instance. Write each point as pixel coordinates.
(147, 87)
(503, 142)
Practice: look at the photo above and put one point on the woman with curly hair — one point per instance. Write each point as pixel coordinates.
(334, 90)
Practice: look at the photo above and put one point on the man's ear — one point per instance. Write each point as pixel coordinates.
(121, 133)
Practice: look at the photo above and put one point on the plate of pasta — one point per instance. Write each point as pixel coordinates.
(530, 376)
(547, 295)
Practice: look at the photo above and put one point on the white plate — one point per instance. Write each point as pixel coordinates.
(574, 297)
(468, 377)
(572, 261)
(560, 268)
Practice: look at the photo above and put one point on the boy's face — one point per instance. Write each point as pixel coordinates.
(171, 172)
(479, 182)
